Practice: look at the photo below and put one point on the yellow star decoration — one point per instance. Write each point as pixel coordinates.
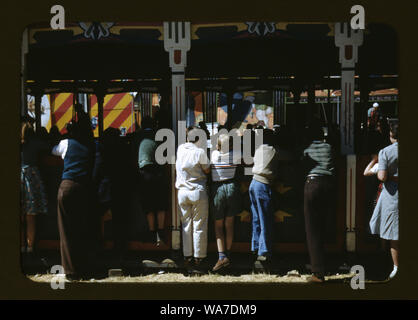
(280, 188)
(279, 215)
(245, 216)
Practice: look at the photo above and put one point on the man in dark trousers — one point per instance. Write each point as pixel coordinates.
(74, 197)
(318, 196)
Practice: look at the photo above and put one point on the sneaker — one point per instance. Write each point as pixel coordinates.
(155, 237)
(262, 258)
(221, 263)
(158, 240)
(161, 236)
(393, 273)
(262, 264)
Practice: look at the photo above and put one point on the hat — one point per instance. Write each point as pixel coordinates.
(250, 98)
(375, 105)
(237, 96)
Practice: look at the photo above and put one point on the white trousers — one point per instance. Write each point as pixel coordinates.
(194, 222)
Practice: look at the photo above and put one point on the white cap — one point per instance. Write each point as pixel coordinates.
(375, 105)
(250, 98)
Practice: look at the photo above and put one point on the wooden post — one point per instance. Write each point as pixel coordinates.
(177, 40)
(348, 41)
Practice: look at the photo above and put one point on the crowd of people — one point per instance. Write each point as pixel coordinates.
(95, 173)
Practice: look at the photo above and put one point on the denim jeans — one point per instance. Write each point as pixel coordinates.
(263, 218)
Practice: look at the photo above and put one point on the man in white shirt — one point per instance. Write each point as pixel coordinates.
(192, 166)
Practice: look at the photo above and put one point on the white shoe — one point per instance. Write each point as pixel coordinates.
(393, 273)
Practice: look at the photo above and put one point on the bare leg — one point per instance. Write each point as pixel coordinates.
(394, 250)
(30, 230)
(151, 221)
(219, 233)
(229, 228)
(161, 219)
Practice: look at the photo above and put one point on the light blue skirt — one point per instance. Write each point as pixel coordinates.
(385, 219)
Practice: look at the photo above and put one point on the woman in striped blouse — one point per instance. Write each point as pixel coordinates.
(226, 196)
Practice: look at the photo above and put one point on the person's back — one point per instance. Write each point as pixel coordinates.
(78, 153)
(385, 218)
(153, 182)
(388, 161)
(321, 152)
(319, 196)
(390, 153)
(225, 196)
(265, 164)
(116, 159)
(78, 161)
(147, 147)
(190, 164)
(264, 174)
(32, 149)
(75, 198)
(223, 165)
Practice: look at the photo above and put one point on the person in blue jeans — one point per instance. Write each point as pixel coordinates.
(264, 173)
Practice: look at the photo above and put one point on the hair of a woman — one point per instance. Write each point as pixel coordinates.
(27, 132)
(394, 127)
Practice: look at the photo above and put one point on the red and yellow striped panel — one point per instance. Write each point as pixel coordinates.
(117, 112)
(61, 110)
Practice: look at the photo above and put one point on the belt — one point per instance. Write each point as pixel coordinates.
(316, 176)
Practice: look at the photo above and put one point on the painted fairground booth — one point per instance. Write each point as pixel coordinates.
(272, 74)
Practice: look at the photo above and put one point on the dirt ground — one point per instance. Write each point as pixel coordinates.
(288, 268)
(210, 278)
